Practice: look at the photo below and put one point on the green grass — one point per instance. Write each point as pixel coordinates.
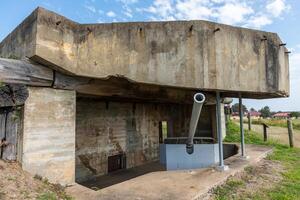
(53, 196)
(287, 189)
(222, 192)
(251, 137)
(47, 196)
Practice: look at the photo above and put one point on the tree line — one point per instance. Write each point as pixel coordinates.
(265, 111)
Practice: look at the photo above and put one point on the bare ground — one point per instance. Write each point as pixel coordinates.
(17, 184)
(250, 183)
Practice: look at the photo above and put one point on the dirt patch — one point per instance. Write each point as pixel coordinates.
(17, 184)
(251, 182)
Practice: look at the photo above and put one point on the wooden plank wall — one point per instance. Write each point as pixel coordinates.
(2, 127)
(10, 128)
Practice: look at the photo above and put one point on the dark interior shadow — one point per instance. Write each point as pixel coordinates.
(122, 175)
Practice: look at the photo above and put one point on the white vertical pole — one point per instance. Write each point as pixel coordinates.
(241, 112)
(219, 129)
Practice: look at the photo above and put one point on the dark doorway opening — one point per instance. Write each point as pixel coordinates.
(116, 162)
(163, 131)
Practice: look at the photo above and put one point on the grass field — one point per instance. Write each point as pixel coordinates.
(276, 122)
(288, 188)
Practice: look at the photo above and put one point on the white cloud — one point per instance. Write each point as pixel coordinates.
(232, 12)
(258, 21)
(111, 14)
(127, 11)
(295, 66)
(90, 8)
(277, 7)
(192, 9)
(162, 9)
(128, 14)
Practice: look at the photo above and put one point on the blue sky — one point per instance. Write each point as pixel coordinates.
(280, 16)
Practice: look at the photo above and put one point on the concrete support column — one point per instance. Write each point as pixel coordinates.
(221, 166)
(49, 134)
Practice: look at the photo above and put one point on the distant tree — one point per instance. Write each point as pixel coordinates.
(295, 114)
(252, 110)
(265, 112)
(235, 108)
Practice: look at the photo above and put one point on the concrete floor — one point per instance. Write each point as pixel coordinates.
(167, 185)
(119, 176)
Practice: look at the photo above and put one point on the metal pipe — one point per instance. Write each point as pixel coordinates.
(241, 112)
(199, 99)
(219, 128)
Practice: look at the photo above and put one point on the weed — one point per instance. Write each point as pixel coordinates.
(2, 195)
(222, 192)
(38, 177)
(47, 196)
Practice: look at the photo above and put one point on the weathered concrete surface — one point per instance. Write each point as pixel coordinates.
(169, 185)
(107, 128)
(187, 54)
(49, 134)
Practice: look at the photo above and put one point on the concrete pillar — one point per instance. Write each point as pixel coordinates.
(49, 134)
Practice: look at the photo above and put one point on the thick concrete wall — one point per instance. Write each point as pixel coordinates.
(49, 134)
(108, 128)
(186, 54)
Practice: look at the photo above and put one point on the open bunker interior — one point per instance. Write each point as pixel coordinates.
(121, 134)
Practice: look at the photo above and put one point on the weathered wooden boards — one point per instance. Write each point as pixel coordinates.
(121, 87)
(2, 128)
(24, 72)
(10, 126)
(27, 73)
(12, 95)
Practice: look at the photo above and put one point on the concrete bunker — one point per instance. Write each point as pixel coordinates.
(100, 99)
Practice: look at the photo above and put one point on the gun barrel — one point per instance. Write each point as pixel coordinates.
(199, 99)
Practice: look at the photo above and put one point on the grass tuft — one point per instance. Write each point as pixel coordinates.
(222, 192)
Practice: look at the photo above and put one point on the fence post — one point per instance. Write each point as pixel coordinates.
(265, 132)
(290, 131)
(249, 121)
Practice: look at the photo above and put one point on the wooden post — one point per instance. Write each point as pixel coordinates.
(265, 126)
(290, 131)
(249, 121)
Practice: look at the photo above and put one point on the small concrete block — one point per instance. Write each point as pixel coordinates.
(222, 168)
